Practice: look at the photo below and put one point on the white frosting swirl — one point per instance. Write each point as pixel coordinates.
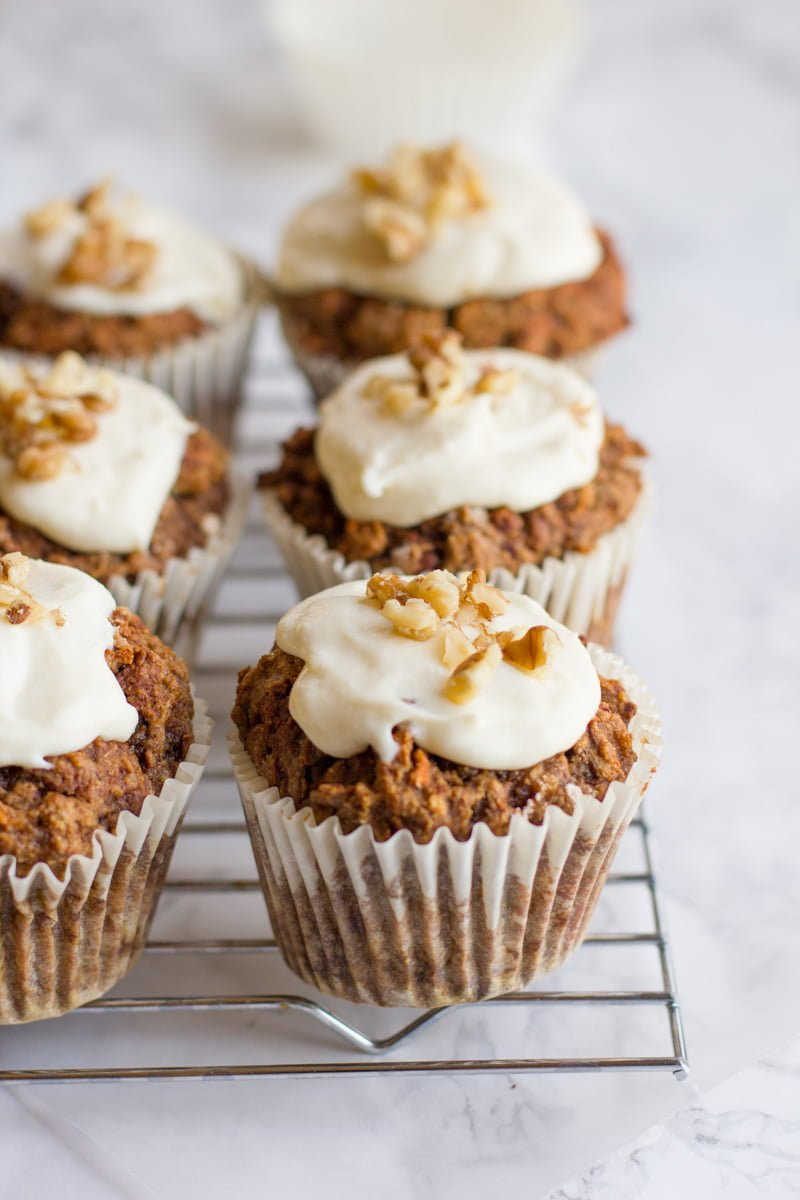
(58, 692)
(110, 492)
(518, 450)
(191, 269)
(534, 233)
(361, 679)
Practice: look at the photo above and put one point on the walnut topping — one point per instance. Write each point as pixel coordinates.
(102, 253)
(440, 372)
(16, 604)
(402, 231)
(460, 612)
(487, 600)
(41, 222)
(411, 617)
(526, 650)
(473, 674)
(580, 412)
(405, 203)
(43, 413)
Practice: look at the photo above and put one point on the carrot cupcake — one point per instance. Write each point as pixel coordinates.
(504, 254)
(101, 746)
(116, 278)
(103, 472)
(435, 775)
(445, 458)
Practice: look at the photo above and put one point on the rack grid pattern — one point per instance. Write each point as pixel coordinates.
(274, 404)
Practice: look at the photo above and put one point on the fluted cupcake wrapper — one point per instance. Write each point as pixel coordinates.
(395, 923)
(66, 942)
(203, 374)
(325, 372)
(581, 591)
(173, 603)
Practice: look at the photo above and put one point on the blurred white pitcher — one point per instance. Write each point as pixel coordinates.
(369, 73)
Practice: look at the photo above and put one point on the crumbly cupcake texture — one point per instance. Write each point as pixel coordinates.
(468, 536)
(48, 815)
(560, 321)
(41, 439)
(422, 397)
(37, 327)
(418, 790)
(129, 279)
(401, 253)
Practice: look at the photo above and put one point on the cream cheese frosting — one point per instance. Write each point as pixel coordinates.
(518, 448)
(110, 491)
(58, 692)
(532, 233)
(361, 679)
(190, 268)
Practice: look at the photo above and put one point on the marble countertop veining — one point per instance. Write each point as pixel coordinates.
(682, 132)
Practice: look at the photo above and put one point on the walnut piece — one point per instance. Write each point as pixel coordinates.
(473, 674)
(405, 203)
(412, 618)
(439, 378)
(461, 613)
(42, 412)
(103, 253)
(41, 222)
(526, 650)
(16, 604)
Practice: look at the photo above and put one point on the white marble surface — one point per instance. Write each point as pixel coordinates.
(682, 132)
(741, 1138)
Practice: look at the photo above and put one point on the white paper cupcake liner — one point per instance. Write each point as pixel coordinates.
(581, 591)
(173, 603)
(395, 923)
(203, 374)
(66, 941)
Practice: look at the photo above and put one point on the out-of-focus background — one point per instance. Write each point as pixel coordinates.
(678, 121)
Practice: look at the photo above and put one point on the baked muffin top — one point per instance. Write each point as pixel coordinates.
(415, 703)
(412, 448)
(90, 464)
(95, 712)
(113, 255)
(439, 226)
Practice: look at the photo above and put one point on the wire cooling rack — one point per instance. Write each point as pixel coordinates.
(202, 1001)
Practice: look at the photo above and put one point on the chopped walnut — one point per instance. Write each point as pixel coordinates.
(402, 231)
(439, 379)
(41, 222)
(16, 604)
(103, 253)
(42, 413)
(473, 674)
(488, 601)
(412, 618)
(496, 381)
(405, 203)
(526, 650)
(461, 612)
(456, 646)
(396, 396)
(580, 412)
(440, 589)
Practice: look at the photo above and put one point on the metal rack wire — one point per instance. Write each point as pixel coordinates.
(239, 631)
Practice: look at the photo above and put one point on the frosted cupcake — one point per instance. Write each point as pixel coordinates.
(103, 472)
(101, 746)
(444, 458)
(436, 776)
(504, 254)
(116, 278)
